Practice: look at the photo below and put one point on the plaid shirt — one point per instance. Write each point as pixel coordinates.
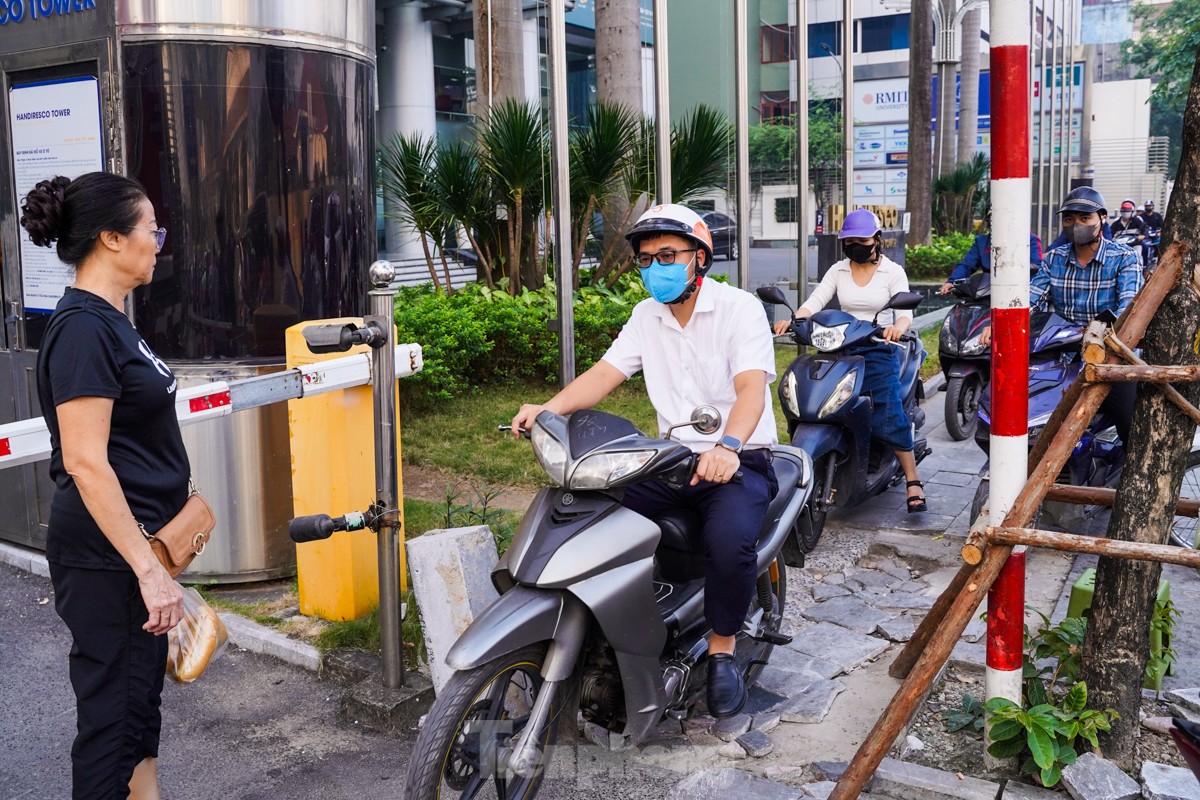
(1078, 293)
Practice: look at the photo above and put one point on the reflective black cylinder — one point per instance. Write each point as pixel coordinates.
(259, 160)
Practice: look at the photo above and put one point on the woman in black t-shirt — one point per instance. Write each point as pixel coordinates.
(117, 460)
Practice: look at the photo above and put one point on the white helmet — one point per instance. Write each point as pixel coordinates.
(676, 219)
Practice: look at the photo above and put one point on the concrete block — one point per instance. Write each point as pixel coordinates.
(1014, 790)
(350, 666)
(451, 577)
(1096, 778)
(24, 559)
(729, 782)
(372, 705)
(756, 744)
(1162, 782)
(902, 781)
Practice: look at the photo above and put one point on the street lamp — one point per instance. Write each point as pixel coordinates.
(825, 46)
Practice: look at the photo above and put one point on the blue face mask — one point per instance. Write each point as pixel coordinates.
(665, 282)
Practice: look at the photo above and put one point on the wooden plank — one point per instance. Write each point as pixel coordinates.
(1100, 496)
(1112, 373)
(1074, 543)
(1170, 391)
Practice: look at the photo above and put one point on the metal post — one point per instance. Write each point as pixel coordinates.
(1010, 186)
(383, 371)
(802, 173)
(662, 104)
(848, 103)
(742, 144)
(561, 193)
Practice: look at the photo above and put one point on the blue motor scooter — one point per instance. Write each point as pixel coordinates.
(828, 415)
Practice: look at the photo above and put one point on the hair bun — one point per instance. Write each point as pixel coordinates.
(42, 211)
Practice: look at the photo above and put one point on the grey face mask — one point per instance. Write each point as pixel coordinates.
(1083, 234)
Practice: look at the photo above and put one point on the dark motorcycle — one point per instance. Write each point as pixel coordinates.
(828, 415)
(966, 361)
(1098, 457)
(1130, 240)
(600, 611)
(1150, 247)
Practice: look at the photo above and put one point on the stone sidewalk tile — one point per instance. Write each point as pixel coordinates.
(730, 728)
(732, 750)
(1186, 698)
(898, 780)
(785, 682)
(824, 591)
(948, 478)
(848, 612)
(756, 744)
(905, 602)
(831, 771)
(969, 656)
(873, 579)
(765, 721)
(1096, 778)
(1163, 782)
(900, 629)
(1015, 790)
(732, 783)
(786, 658)
(837, 645)
(819, 790)
(813, 704)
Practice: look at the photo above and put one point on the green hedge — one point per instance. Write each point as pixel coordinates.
(476, 336)
(935, 261)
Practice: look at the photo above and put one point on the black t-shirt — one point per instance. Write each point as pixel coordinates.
(92, 350)
(1134, 225)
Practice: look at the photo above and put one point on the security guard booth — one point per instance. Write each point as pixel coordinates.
(252, 127)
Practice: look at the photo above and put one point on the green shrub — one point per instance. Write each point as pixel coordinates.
(935, 261)
(479, 336)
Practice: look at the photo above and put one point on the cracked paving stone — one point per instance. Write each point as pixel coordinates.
(824, 591)
(832, 643)
(730, 728)
(813, 704)
(1097, 778)
(756, 744)
(729, 782)
(900, 629)
(848, 612)
(905, 601)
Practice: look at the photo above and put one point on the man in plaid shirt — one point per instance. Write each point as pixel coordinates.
(1090, 274)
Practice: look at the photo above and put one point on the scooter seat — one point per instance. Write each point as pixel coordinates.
(681, 530)
(787, 473)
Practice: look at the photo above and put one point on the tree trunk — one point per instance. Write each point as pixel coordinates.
(968, 107)
(619, 52)
(429, 261)
(1117, 643)
(499, 62)
(919, 200)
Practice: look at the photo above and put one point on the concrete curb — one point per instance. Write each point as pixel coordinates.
(244, 633)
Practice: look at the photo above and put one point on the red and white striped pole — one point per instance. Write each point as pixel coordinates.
(1011, 202)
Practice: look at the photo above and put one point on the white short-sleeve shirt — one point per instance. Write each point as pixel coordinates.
(863, 302)
(727, 334)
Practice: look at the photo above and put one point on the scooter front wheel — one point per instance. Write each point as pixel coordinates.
(464, 746)
(1183, 529)
(962, 403)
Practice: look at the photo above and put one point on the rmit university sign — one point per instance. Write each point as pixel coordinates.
(18, 11)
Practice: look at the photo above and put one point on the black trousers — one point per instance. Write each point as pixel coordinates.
(117, 673)
(732, 514)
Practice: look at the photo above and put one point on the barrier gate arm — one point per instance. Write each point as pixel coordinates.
(28, 440)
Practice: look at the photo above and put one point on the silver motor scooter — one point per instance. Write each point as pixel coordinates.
(600, 613)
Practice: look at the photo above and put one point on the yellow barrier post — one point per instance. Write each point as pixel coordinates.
(333, 457)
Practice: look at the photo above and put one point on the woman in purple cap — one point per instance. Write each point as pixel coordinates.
(863, 282)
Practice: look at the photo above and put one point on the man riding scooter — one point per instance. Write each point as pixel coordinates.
(979, 257)
(697, 342)
(1085, 277)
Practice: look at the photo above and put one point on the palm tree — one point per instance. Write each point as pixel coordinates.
(598, 154)
(700, 148)
(514, 148)
(955, 194)
(463, 188)
(406, 163)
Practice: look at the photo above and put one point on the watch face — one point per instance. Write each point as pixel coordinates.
(731, 443)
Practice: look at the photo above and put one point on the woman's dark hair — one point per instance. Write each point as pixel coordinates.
(75, 212)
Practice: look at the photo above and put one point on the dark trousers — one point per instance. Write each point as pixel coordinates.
(732, 515)
(117, 673)
(1119, 403)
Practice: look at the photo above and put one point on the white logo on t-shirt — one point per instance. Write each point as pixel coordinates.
(158, 363)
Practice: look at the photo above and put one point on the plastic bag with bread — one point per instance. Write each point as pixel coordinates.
(196, 641)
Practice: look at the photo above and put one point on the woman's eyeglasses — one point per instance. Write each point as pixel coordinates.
(664, 256)
(160, 237)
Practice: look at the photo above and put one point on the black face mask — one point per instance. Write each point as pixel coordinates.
(858, 252)
(1081, 234)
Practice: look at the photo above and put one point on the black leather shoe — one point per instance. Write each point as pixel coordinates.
(726, 689)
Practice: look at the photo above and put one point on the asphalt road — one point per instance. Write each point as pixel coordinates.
(252, 728)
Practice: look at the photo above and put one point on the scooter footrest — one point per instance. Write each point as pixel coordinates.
(770, 637)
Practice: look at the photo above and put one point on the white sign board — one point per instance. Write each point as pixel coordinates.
(55, 128)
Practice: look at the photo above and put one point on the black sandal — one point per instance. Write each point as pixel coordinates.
(916, 504)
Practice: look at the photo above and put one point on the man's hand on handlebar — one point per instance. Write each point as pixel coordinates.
(985, 336)
(717, 465)
(947, 287)
(523, 421)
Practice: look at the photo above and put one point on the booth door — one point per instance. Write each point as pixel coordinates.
(40, 140)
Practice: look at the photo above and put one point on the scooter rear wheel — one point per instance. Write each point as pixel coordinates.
(962, 401)
(469, 733)
(1183, 529)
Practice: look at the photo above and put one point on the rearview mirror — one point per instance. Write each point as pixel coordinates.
(772, 295)
(905, 301)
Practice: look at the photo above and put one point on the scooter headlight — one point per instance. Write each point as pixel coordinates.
(551, 454)
(973, 347)
(841, 393)
(946, 339)
(787, 394)
(826, 339)
(601, 470)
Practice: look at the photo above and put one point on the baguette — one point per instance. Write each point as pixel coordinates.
(193, 642)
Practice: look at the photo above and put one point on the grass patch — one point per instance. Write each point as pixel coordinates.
(932, 365)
